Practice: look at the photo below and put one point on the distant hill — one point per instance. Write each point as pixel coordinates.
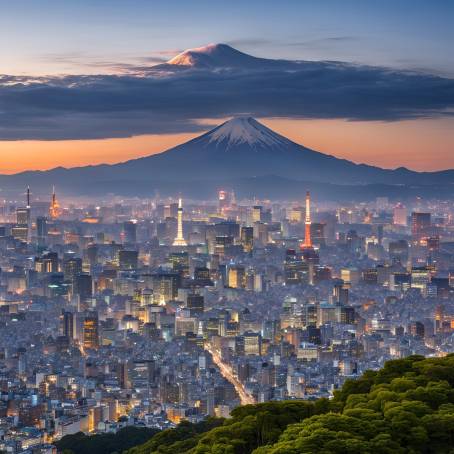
(245, 155)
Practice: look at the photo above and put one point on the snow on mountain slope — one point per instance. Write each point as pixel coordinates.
(219, 56)
(190, 57)
(245, 130)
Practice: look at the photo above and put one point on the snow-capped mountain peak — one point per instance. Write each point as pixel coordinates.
(246, 130)
(216, 56)
(190, 57)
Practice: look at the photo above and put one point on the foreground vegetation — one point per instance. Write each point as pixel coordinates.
(406, 407)
(105, 443)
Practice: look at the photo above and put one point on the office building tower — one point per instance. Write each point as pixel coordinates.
(420, 225)
(318, 233)
(165, 286)
(257, 213)
(68, 325)
(180, 263)
(91, 255)
(83, 286)
(130, 232)
(296, 271)
(237, 276)
(400, 214)
(123, 375)
(247, 238)
(91, 332)
(41, 230)
(72, 267)
(128, 260)
(195, 304)
(50, 261)
(21, 230)
(252, 343)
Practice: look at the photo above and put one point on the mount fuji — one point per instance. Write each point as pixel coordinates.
(243, 154)
(223, 56)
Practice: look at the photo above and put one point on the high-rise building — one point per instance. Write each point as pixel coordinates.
(165, 286)
(257, 213)
(400, 214)
(50, 261)
(438, 318)
(72, 267)
(180, 262)
(128, 260)
(91, 332)
(130, 232)
(296, 271)
(83, 286)
(416, 329)
(247, 238)
(420, 224)
(123, 375)
(398, 251)
(237, 276)
(296, 214)
(195, 304)
(318, 233)
(179, 239)
(41, 229)
(68, 325)
(252, 343)
(91, 254)
(21, 230)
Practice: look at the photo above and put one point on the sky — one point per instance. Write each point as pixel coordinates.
(76, 86)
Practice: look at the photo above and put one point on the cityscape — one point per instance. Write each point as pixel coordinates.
(243, 247)
(148, 312)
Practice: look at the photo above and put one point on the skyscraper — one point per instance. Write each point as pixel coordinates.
(91, 334)
(41, 229)
(179, 239)
(21, 230)
(420, 224)
(247, 238)
(130, 232)
(400, 215)
(68, 324)
(128, 260)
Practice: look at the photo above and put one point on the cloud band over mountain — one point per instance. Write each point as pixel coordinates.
(171, 98)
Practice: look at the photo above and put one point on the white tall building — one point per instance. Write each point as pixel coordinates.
(179, 239)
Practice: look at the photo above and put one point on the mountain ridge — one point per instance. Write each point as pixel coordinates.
(237, 150)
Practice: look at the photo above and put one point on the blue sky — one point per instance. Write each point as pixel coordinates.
(49, 36)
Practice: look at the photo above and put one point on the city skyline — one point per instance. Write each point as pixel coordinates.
(226, 226)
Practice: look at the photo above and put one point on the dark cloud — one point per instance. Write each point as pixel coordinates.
(165, 99)
(97, 63)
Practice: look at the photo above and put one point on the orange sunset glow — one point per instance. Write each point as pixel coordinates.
(385, 144)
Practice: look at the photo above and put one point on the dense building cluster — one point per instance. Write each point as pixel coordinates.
(148, 312)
